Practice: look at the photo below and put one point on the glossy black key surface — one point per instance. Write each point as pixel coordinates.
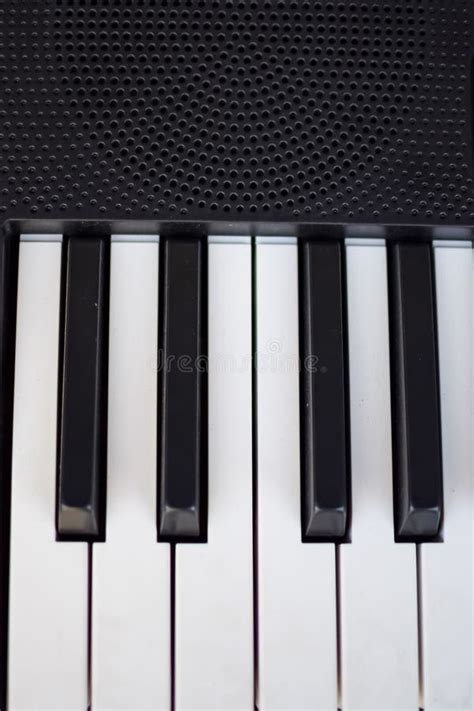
(83, 390)
(8, 292)
(418, 488)
(323, 392)
(182, 420)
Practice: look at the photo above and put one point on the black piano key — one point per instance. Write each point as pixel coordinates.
(182, 420)
(8, 294)
(418, 486)
(83, 391)
(323, 395)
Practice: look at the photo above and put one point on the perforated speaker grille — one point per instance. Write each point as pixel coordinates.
(224, 110)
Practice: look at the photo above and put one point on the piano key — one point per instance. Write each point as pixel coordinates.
(214, 581)
(182, 393)
(131, 666)
(297, 650)
(447, 567)
(8, 293)
(83, 411)
(378, 577)
(48, 580)
(323, 391)
(415, 392)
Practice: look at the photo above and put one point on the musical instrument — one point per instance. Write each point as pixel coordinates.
(236, 355)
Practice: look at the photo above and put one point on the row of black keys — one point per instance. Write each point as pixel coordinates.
(182, 397)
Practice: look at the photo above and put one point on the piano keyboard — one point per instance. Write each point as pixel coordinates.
(241, 474)
(236, 355)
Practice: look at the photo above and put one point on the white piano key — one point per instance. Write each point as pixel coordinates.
(446, 568)
(131, 667)
(214, 582)
(48, 580)
(378, 583)
(297, 651)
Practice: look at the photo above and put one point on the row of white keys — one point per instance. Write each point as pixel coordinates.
(296, 582)
(214, 589)
(378, 577)
(131, 628)
(131, 665)
(48, 581)
(447, 568)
